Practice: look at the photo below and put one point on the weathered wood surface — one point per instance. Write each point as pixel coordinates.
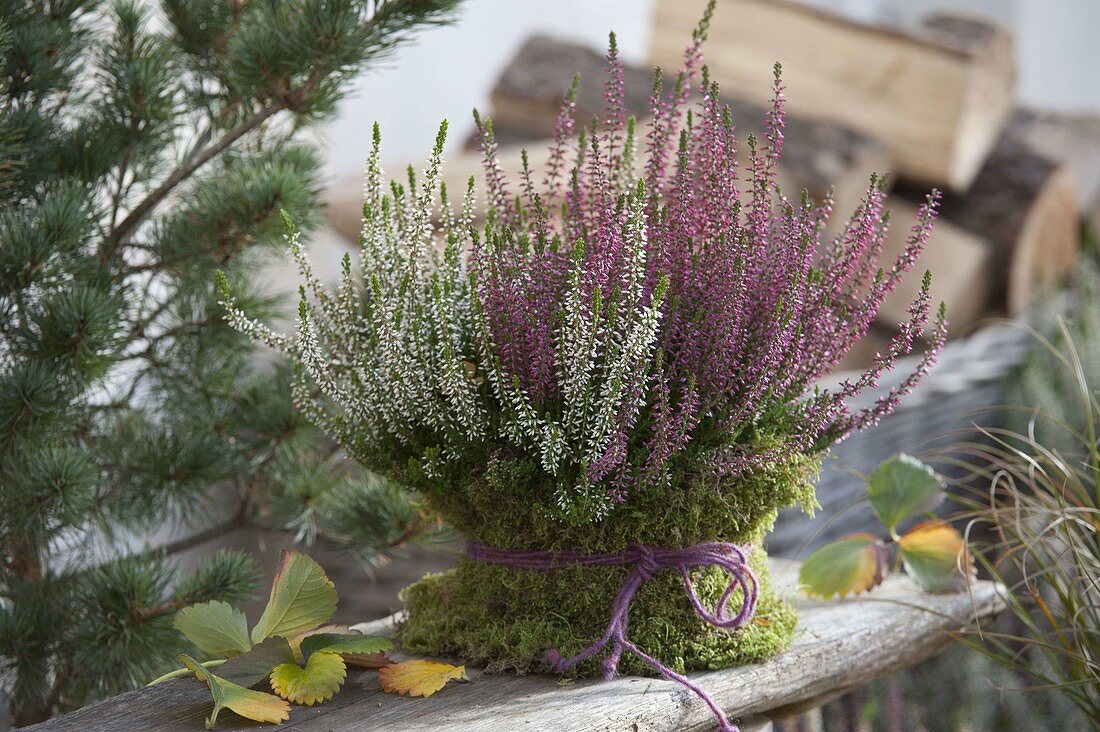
(840, 645)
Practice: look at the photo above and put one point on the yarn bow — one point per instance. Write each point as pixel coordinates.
(646, 562)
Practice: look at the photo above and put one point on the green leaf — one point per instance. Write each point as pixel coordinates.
(854, 564)
(903, 487)
(344, 643)
(302, 597)
(933, 553)
(321, 677)
(215, 627)
(249, 669)
(258, 706)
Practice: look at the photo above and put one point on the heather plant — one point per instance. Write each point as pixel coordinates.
(618, 367)
(616, 324)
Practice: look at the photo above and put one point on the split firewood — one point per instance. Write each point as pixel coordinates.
(960, 264)
(1025, 205)
(528, 95)
(1067, 138)
(936, 95)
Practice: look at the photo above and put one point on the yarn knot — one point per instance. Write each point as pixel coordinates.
(645, 562)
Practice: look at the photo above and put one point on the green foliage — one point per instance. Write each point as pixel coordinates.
(254, 705)
(1036, 502)
(933, 551)
(1045, 395)
(216, 628)
(901, 488)
(144, 146)
(506, 618)
(302, 599)
(853, 564)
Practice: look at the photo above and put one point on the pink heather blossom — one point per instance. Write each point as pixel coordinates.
(758, 304)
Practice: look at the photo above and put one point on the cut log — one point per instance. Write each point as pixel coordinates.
(1025, 205)
(1070, 139)
(936, 95)
(527, 96)
(960, 264)
(526, 99)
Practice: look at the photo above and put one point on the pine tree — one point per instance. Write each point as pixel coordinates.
(143, 147)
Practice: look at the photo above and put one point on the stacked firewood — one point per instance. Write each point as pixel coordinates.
(930, 105)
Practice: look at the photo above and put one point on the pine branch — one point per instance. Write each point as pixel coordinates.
(180, 174)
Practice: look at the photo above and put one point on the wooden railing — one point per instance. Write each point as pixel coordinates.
(840, 645)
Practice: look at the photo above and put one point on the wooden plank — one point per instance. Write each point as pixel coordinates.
(937, 95)
(840, 644)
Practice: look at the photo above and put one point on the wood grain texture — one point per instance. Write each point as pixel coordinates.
(840, 644)
(936, 94)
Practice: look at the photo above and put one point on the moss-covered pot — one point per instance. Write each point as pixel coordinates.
(507, 618)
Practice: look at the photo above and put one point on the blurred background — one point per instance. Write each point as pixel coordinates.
(1056, 52)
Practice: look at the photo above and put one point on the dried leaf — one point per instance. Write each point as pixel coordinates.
(317, 681)
(258, 706)
(344, 643)
(216, 628)
(302, 597)
(854, 564)
(419, 678)
(367, 660)
(903, 487)
(933, 553)
(249, 669)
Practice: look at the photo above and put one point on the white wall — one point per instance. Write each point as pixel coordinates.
(451, 70)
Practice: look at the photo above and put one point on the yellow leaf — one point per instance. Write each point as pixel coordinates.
(321, 677)
(302, 597)
(934, 555)
(854, 564)
(258, 706)
(419, 678)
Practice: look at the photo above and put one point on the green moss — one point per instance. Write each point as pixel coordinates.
(506, 618)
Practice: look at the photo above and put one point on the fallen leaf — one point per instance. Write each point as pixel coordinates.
(296, 640)
(367, 660)
(302, 597)
(853, 565)
(903, 487)
(255, 705)
(344, 643)
(934, 555)
(419, 678)
(317, 681)
(249, 669)
(216, 628)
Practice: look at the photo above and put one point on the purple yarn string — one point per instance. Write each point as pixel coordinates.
(646, 562)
